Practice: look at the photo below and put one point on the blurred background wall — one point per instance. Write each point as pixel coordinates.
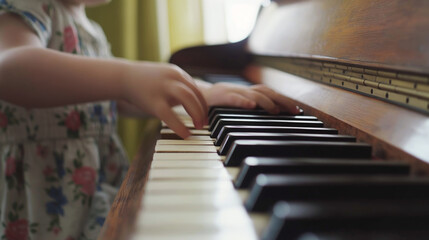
(151, 30)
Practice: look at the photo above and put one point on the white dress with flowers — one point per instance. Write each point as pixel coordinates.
(60, 167)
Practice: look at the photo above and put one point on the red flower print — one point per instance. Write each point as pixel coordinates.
(42, 151)
(70, 39)
(10, 166)
(17, 230)
(48, 171)
(3, 120)
(85, 176)
(73, 121)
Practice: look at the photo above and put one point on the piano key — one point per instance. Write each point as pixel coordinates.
(292, 219)
(196, 134)
(261, 117)
(256, 122)
(232, 137)
(270, 148)
(270, 188)
(226, 223)
(227, 110)
(187, 164)
(187, 186)
(191, 201)
(186, 156)
(191, 173)
(185, 148)
(358, 234)
(270, 129)
(224, 234)
(184, 142)
(188, 123)
(254, 166)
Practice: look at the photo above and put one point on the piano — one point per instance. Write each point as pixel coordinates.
(353, 166)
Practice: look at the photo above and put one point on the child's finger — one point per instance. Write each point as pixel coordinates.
(280, 100)
(191, 103)
(189, 81)
(237, 100)
(167, 115)
(262, 100)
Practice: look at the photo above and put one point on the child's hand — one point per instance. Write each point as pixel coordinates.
(228, 94)
(155, 88)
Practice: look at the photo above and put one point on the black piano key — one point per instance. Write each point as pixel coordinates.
(258, 148)
(257, 122)
(228, 110)
(254, 166)
(273, 129)
(359, 234)
(291, 220)
(266, 117)
(270, 188)
(232, 137)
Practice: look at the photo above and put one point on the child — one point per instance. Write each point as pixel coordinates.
(61, 160)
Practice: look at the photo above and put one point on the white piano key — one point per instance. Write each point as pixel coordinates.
(200, 138)
(223, 234)
(187, 123)
(208, 223)
(185, 148)
(260, 221)
(188, 186)
(210, 173)
(184, 142)
(193, 132)
(243, 194)
(187, 164)
(233, 172)
(192, 202)
(186, 156)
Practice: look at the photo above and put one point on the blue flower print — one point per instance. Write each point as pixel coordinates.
(97, 113)
(100, 220)
(55, 207)
(59, 160)
(113, 110)
(34, 19)
(5, 5)
(98, 110)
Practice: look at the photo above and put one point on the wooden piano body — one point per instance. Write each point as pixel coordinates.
(359, 66)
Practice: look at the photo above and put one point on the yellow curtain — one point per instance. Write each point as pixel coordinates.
(147, 30)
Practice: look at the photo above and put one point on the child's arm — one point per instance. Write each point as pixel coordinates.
(34, 77)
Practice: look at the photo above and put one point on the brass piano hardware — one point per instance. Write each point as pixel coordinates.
(413, 78)
(341, 67)
(370, 71)
(387, 74)
(390, 86)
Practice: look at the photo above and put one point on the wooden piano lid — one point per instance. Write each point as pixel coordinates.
(383, 33)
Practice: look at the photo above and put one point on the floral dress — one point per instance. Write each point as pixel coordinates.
(60, 167)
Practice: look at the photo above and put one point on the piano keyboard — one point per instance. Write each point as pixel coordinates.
(276, 177)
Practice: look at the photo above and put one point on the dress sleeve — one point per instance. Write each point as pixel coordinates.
(36, 13)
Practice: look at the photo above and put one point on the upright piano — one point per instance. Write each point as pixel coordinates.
(358, 68)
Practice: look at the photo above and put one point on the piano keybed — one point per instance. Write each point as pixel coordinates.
(290, 178)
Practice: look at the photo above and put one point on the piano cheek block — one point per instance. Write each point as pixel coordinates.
(245, 148)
